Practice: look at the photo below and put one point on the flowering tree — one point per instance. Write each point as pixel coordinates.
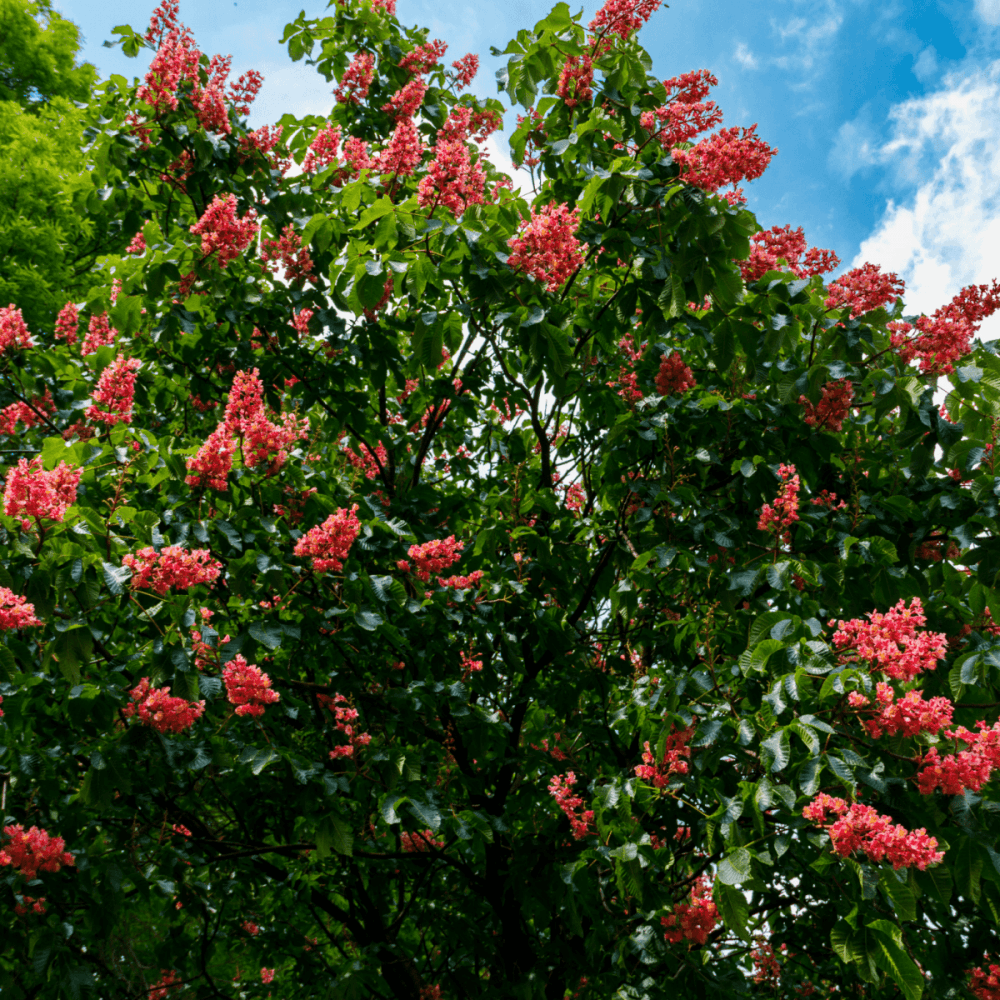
(415, 588)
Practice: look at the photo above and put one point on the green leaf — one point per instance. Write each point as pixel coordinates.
(776, 750)
(733, 908)
(891, 958)
(268, 634)
(381, 207)
(8, 665)
(735, 868)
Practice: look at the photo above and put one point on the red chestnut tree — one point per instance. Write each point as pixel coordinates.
(417, 587)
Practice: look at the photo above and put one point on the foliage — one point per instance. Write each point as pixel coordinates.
(420, 629)
(38, 50)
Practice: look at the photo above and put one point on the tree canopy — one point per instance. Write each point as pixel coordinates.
(417, 587)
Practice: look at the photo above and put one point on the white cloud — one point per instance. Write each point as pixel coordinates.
(810, 38)
(947, 233)
(989, 11)
(926, 64)
(745, 57)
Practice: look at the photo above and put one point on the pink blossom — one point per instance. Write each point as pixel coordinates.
(14, 335)
(860, 828)
(465, 70)
(675, 751)
(67, 324)
(424, 57)
(30, 413)
(290, 254)
(171, 567)
(157, 709)
(344, 715)
(891, 642)
(222, 232)
(694, 920)
(211, 466)
(686, 113)
(469, 582)
(267, 975)
(138, 244)
(674, 376)
(546, 246)
(100, 333)
(908, 716)
(15, 611)
(405, 102)
(33, 850)
(247, 687)
(32, 492)
(115, 392)
(452, 180)
(422, 840)
(403, 152)
(983, 985)
(561, 789)
(863, 289)
(357, 78)
(785, 511)
(329, 543)
(323, 149)
(575, 81)
(835, 402)
(623, 17)
(782, 243)
(727, 157)
(435, 556)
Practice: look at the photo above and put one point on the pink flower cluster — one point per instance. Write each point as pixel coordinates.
(834, 403)
(730, 156)
(323, 149)
(31, 492)
(674, 376)
(422, 840)
(247, 687)
(29, 904)
(168, 982)
(465, 69)
(329, 543)
(452, 179)
(947, 335)
(863, 289)
(222, 232)
(435, 556)
(675, 751)
(693, 920)
(469, 582)
(891, 642)
(561, 789)
(985, 985)
(623, 17)
(344, 714)
(171, 567)
(969, 768)
(157, 709)
(403, 152)
(686, 113)
(115, 392)
(33, 850)
(100, 333)
(367, 462)
(908, 716)
(861, 828)
(575, 81)
(68, 324)
(357, 78)
(405, 102)
(546, 246)
(289, 252)
(424, 57)
(785, 511)
(211, 466)
(261, 439)
(138, 244)
(29, 413)
(782, 243)
(267, 975)
(15, 611)
(14, 335)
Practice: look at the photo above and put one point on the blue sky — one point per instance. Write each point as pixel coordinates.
(886, 115)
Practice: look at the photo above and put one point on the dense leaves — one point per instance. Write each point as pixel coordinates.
(408, 604)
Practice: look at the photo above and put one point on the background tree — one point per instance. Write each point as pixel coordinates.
(413, 589)
(50, 237)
